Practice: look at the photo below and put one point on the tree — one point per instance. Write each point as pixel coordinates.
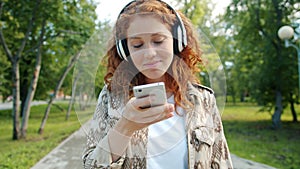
(23, 31)
(33, 85)
(79, 21)
(53, 30)
(212, 72)
(70, 65)
(260, 52)
(198, 11)
(89, 71)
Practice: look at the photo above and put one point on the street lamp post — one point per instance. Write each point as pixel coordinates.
(286, 33)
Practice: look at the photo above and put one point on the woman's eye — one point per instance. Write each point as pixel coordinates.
(158, 42)
(137, 45)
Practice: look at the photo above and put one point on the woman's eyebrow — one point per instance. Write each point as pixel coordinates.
(161, 34)
(158, 34)
(134, 37)
(137, 36)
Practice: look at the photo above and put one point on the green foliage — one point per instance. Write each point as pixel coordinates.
(91, 66)
(68, 26)
(71, 27)
(197, 11)
(103, 34)
(262, 65)
(4, 75)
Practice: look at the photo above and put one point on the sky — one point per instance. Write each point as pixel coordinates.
(109, 9)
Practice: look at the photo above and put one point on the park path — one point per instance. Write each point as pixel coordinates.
(68, 155)
(8, 105)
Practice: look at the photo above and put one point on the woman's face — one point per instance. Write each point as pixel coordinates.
(150, 44)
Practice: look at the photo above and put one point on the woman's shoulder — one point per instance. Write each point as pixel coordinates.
(103, 93)
(201, 88)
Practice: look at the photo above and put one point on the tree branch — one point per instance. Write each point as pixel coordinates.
(2, 39)
(35, 47)
(260, 27)
(1, 8)
(29, 28)
(45, 39)
(4, 45)
(70, 32)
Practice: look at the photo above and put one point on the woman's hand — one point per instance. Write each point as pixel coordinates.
(135, 118)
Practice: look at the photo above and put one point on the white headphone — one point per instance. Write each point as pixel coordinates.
(178, 30)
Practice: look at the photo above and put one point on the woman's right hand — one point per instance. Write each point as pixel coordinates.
(135, 118)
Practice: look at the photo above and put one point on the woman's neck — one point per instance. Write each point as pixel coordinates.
(155, 80)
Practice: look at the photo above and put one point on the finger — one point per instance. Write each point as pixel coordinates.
(166, 108)
(143, 102)
(134, 113)
(158, 113)
(156, 110)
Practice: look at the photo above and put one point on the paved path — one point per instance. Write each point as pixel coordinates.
(8, 105)
(68, 155)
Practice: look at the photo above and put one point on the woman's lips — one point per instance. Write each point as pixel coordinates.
(152, 64)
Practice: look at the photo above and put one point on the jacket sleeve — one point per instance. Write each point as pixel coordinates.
(220, 151)
(97, 152)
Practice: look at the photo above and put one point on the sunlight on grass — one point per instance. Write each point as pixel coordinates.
(250, 135)
(26, 152)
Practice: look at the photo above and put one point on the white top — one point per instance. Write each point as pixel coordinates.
(167, 144)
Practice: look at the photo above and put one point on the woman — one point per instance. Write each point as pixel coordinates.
(154, 43)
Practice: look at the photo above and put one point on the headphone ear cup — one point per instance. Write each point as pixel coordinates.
(122, 49)
(180, 39)
(177, 40)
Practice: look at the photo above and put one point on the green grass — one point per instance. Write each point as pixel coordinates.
(248, 132)
(249, 135)
(26, 152)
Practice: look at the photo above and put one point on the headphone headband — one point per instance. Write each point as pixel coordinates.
(179, 33)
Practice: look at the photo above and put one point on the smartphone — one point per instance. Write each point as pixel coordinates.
(154, 89)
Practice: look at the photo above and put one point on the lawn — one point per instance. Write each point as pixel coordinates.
(250, 135)
(23, 154)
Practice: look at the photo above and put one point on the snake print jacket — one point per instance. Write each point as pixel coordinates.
(207, 146)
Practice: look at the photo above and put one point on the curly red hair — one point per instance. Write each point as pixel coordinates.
(121, 76)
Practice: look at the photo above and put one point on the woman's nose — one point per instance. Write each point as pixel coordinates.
(149, 51)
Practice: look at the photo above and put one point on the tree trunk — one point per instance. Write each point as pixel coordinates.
(90, 98)
(23, 92)
(233, 96)
(81, 101)
(16, 99)
(72, 97)
(70, 107)
(14, 60)
(29, 98)
(293, 111)
(71, 63)
(276, 117)
(46, 114)
(33, 84)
